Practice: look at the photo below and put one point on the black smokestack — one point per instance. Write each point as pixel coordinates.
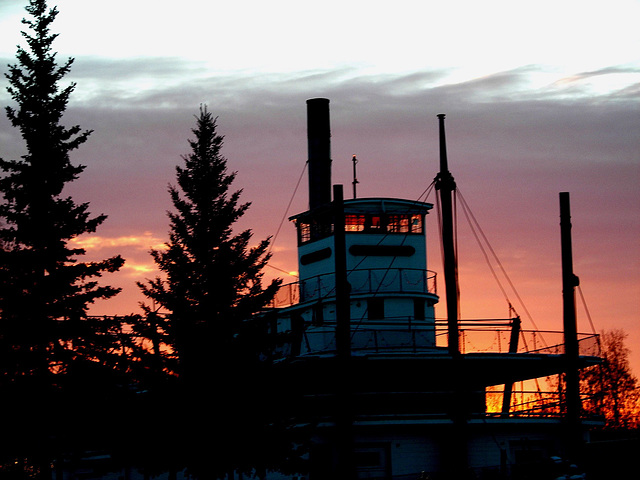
(319, 139)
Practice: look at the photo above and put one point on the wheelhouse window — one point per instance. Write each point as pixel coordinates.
(354, 223)
(416, 224)
(398, 224)
(312, 229)
(304, 232)
(309, 231)
(383, 223)
(375, 223)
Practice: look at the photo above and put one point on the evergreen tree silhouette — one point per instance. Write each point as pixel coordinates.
(210, 289)
(45, 289)
(213, 278)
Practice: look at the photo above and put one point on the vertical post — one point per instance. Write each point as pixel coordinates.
(343, 314)
(355, 178)
(344, 415)
(456, 456)
(447, 186)
(569, 282)
(513, 348)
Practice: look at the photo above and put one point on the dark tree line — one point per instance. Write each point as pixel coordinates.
(48, 346)
(186, 384)
(45, 286)
(162, 390)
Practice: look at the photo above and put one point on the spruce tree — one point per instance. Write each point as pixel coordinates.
(210, 290)
(46, 290)
(212, 279)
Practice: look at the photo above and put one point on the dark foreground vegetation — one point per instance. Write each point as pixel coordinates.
(187, 384)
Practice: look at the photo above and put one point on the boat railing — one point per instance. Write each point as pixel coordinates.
(535, 403)
(362, 281)
(494, 336)
(410, 335)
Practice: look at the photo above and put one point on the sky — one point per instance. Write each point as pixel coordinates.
(540, 98)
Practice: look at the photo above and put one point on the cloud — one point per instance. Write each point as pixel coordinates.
(515, 139)
(134, 248)
(136, 269)
(611, 70)
(93, 243)
(619, 81)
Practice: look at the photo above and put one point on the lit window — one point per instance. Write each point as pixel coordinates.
(398, 224)
(404, 224)
(376, 223)
(354, 223)
(305, 232)
(314, 230)
(416, 223)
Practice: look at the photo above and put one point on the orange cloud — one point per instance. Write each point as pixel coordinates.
(132, 268)
(145, 241)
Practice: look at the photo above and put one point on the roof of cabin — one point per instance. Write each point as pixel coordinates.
(385, 205)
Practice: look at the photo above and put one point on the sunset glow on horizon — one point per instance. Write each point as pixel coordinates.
(540, 98)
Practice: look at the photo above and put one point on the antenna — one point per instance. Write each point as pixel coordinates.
(355, 179)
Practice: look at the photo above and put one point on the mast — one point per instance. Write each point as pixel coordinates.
(457, 452)
(446, 185)
(569, 282)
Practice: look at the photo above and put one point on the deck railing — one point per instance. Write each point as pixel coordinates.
(410, 335)
(494, 336)
(534, 403)
(365, 281)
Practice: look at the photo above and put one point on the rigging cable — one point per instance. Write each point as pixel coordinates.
(486, 257)
(586, 309)
(455, 239)
(439, 212)
(584, 304)
(295, 190)
(466, 207)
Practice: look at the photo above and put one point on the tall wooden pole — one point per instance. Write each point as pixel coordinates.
(344, 415)
(569, 283)
(446, 185)
(456, 453)
(343, 314)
